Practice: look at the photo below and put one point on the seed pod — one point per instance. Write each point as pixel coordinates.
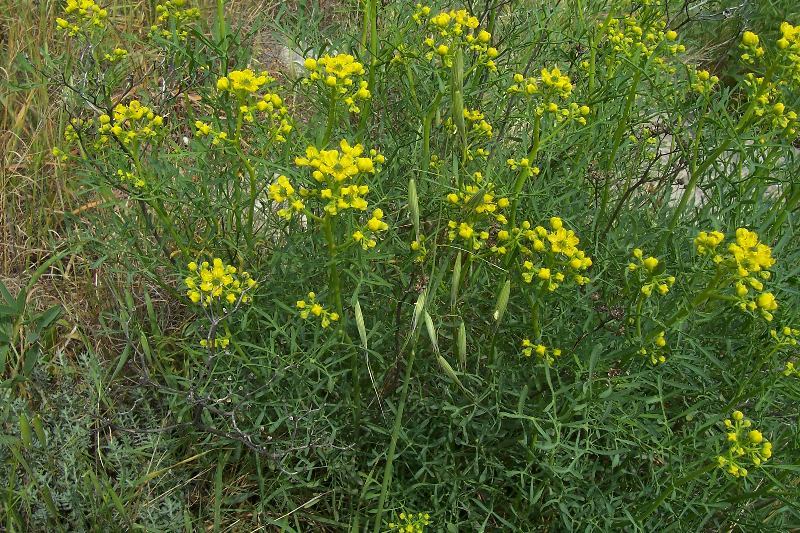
(502, 301)
(419, 307)
(413, 205)
(362, 330)
(25, 430)
(432, 332)
(453, 376)
(456, 281)
(39, 430)
(461, 345)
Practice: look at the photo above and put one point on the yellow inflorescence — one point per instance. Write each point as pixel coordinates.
(702, 82)
(220, 342)
(453, 30)
(744, 266)
(751, 47)
(548, 355)
(130, 177)
(117, 54)
(81, 16)
(177, 12)
(340, 73)
(242, 82)
(337, 175)
(366, 236)
(649, 274)
(631, 36)
(131, 124)
(790, 370)
(656, 350)
(551, 257)
(551, 91)
(245, 86)
(410, 522)
(312, 308)
(767, 105)
(746, 445)
(479, 209)
(786, 336)
(218, 283)
(478, 121)
(789, 53)
(282, 192)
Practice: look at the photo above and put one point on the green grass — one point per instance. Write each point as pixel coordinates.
(418, 399)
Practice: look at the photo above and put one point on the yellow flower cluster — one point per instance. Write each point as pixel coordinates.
(340, 73)
(523, 164)
(315, 309)
(131, 124)
(744, 265)
(551, 87)
(175, 12)
(76, 125)
(243, 82)
(116, 55)
(282, 192)
(452, 30)
(217, 283)
(702, 82)
(548, 355)
(478, 121)
(81, 16)
(220, 342)
(786, 336)
(558, 82)
(203, 129)
(479, 209)
(366, 235)
(649, 275)
(410, 523)
(643, 36)
(132, 178)
(746, 445)
(337, 174)
(59, 154)
(790, 370)
(657, 349)
(751, 47)
(550, 257)
(766, 97)
(244, 85)
(789, 51)
(420, 250)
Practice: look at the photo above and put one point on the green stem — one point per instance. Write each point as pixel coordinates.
(526, 172)
(221, 27)
(371, 26)
(616, 142)
(331, 118)
(792, 195)
(398, 422)
(328, 223)
(698, 172)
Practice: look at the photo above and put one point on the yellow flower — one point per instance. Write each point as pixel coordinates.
(545, 354)
(746, 445)
(216, 283)
(317, 310)
(750, 39)
(650, 263)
